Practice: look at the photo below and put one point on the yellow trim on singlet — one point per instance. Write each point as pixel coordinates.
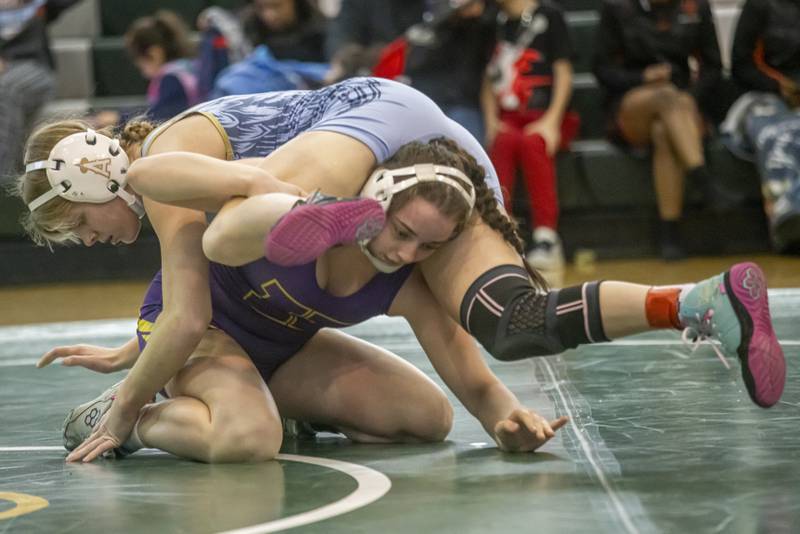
(152, 136)
(145, 328)
(302, 311)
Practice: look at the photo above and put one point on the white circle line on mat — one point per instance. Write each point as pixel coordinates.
(372, 485)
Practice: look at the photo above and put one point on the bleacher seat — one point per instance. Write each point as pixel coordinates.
(117, 15)
(114, 71)
(81, 20)
(606, 195)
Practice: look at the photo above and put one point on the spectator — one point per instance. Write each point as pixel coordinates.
(764, 124)
(447, 57)
(368, 23)
(160, 48)
(291, 29)
(440, 47)
(527, 119)
(27, 78)
(642, 59)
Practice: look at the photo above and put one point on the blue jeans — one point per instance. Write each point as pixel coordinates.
(470, 118)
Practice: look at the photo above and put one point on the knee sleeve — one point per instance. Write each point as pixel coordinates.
(512, 320)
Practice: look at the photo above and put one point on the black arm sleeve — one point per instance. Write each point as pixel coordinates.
(608, 62)
(748, 30)
(707, 55)
(559, 42)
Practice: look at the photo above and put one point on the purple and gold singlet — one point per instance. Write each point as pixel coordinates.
(272, 311)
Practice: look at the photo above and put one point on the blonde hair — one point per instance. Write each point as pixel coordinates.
(53, 223)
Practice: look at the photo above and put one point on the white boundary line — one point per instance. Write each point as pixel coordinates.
(587, 450)
(372, 485)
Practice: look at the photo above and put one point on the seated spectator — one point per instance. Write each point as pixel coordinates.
(527, 119)
(27, 78)
(642, 59)
(161, 50)
(764, 124)
(446, 59)
(440, 47)
(292, 29)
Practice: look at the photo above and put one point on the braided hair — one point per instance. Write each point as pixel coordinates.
(444, 151)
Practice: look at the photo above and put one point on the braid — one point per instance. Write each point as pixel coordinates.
(486, 205)
(135, 132)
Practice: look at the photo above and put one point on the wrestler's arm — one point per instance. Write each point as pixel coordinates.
(331, 162)
(201, 182)
(458, 361)
(183, 321)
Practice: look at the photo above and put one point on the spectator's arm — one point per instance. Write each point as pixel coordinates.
(171, 99)
(56, 7)
(490, 110)
(608, 58)
(752, 21)
(562, 90)
(561, 56)
(707, 55)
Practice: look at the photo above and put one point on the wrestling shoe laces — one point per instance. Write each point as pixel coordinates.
(703, 332)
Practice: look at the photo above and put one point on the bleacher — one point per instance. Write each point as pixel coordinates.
(607, 198)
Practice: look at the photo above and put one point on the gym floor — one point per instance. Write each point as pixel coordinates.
(659, 440)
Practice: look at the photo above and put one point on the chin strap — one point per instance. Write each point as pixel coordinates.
(382, 266)
(133, 203)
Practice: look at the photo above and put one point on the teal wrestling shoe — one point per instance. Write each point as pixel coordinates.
(733, 308)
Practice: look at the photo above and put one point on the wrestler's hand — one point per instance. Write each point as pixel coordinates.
(525, 431)
(263, 182)
(98, 359)
(112, 431)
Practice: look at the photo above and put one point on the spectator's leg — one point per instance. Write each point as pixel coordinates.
(24, 88)
(504, 154)
(678, 147)
(540, 178)
(668, 181)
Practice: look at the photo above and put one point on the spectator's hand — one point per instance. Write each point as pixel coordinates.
(98, 359)
(790, 91)
(658, 73)
(525, 431)
(549, 130)
(471, 9)
(494, 127)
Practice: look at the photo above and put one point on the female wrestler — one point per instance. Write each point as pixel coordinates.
(274, 316)
(346, 129)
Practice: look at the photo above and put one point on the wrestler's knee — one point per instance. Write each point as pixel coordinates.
(514, 320)
(245, 440)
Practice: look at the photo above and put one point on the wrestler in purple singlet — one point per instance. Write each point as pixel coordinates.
(272, 311)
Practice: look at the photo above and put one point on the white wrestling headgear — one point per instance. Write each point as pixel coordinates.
(382, 186)
(86, 167)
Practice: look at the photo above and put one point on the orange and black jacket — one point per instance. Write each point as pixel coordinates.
(766, 45)
(634, 34)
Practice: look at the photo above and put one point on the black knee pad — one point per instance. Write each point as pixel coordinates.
(512, 320)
